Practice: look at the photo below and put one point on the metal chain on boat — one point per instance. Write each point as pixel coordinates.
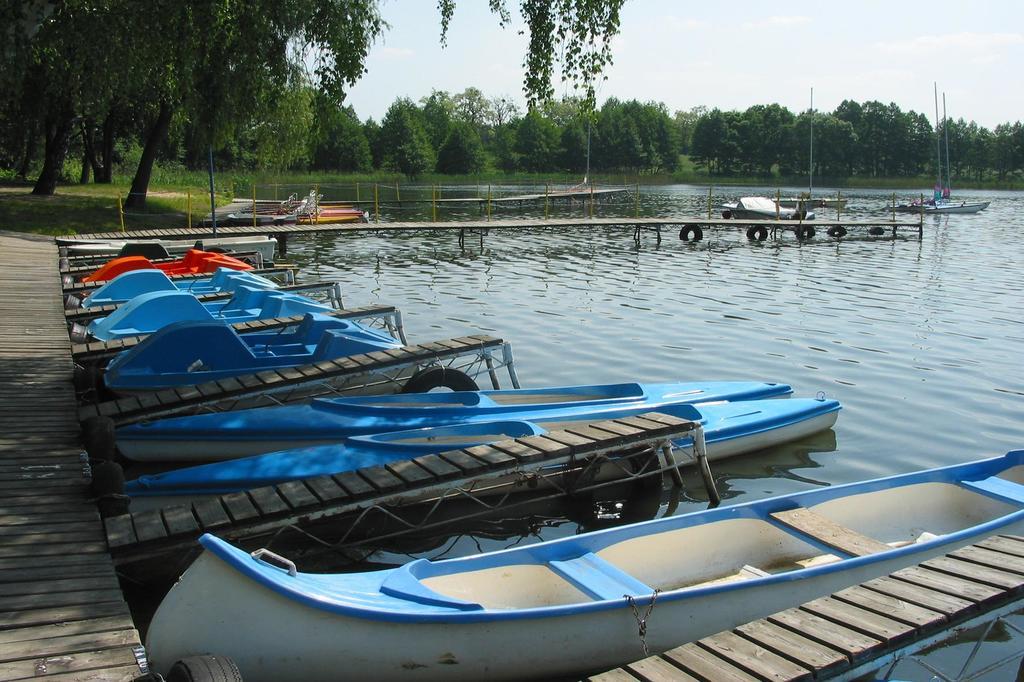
(641, 621)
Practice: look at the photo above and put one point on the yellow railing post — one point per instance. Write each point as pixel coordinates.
(188, 209)
(709, 201)
(894, 206)
(120, 210)
(254, 204)
(433, 202)
(636, 196)
(547, 190)
(839, 204)
(357, 191)
(591, 200)
(376, 203)
(398, 195)
(488, 201)
(778, 201)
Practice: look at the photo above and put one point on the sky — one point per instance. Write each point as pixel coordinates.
(731, 55)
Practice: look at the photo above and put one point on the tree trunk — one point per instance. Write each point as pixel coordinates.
(140, 184)
(31, 142)
(58, 135)
(105, 172)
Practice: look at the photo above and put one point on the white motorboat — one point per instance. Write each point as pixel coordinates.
(763, 208)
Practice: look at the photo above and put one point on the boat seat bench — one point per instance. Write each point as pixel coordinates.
(994, 486)
(828, 532)
(599, 579)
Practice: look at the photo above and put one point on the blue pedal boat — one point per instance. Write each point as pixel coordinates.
(149, 312)
(568, 607)
(729, 429)
(189, 353)
(128, 285)
(239, 433)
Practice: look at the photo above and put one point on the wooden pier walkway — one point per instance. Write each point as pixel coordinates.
(559, 223)
(854, 631)
(62, 613)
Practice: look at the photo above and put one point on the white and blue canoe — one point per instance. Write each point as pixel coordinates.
(239, 433)
(566, 607)
(729, 429)
(128, 285)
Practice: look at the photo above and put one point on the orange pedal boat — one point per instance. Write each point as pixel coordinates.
(193, 263)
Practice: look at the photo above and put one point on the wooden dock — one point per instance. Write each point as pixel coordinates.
(635, 225)
(62, 613)
(854, 631)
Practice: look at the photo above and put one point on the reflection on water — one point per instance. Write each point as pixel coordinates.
(920, 339)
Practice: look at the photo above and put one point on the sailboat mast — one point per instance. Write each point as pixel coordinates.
(810, 163)
(945, 131)
(938, 146)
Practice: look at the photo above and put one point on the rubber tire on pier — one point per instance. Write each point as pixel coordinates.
(757, 233)
(691, 233)
(108, 489)
(204, 669)
(876, 230)
(439, 377)
(727, 214)
(837, 231)
(803, 233)
(98, 438)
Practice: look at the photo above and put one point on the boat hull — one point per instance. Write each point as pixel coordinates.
(251, 432)
(230, 604)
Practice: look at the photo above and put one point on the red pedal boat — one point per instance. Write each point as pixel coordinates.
(195, 262)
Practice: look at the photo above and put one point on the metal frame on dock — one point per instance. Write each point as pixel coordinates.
(288, 274)
(384, 370)
(149, 534)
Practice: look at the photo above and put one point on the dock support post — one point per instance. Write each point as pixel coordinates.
(488, 201)
(700, 451)
(357, 191)
(920, 219)
(636, 196)
(376, 202)
(894, 206)
(120, 210)
(709, 202)
(398, 195)
(547, 189)
(778, 199)
(591, 200)
(254, 204)
(839, 204)
(188, 208)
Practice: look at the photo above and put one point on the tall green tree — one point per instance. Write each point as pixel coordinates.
(461, 152)
(406, 147)
(536, 142)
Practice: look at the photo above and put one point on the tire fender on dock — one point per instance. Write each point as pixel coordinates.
(439, 377)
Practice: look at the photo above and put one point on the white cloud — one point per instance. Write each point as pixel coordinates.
(964, 42)
(685, 24)
(776, 22)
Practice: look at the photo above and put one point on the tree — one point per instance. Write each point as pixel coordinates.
(461, 151)
(339, 139)
(536, 142)
(437, 113)
(406, 147)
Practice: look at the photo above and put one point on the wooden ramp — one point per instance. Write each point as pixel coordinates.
(856, 630)
(62, 614)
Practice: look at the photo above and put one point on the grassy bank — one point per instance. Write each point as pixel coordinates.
(94, 208)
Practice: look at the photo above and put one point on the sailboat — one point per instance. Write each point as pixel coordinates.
(808, 200)
(941, 201)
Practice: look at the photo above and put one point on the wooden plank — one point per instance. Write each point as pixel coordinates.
(31, 571)
(976, 573)
(524, 453)
(493, 457)
(267, 500)
(948, 584)
(326, 489)
(211, 513)
(239, 506)
(61, 629)
(704, 665)
(803, 651)
(998, 543)
(57, 599)
(353, 484)
(464, 461)
(409, 472)
(990, 558)
(149, 525)
(885, 629)
(914, 594)
(62, 584)
(657, 669)
(297, 495)
(753, 658)
(62, 613)
(179, 520)
(890, 607)
(382, 479)
(439, 468)
(617, 675)
(79, 664)
(828, 532)
(854, 645)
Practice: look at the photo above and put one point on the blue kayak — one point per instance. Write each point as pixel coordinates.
(128, 285)
(149, 312)
(239, 433)
(189, 353)
(729, 429)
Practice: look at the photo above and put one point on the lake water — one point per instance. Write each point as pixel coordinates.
(922, 340)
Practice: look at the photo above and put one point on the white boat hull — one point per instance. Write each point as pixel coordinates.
(214, 609)
(111, 247)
